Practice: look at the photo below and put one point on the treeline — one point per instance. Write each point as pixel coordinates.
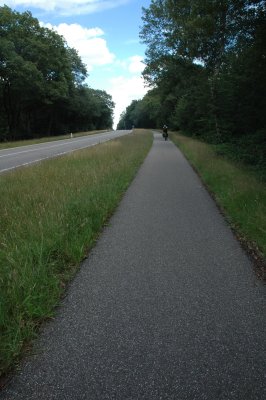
(206, 67)
(42, 89)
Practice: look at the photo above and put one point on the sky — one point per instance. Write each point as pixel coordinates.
(106, 35)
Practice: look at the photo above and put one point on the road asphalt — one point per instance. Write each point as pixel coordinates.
(25, 155)
(166, 306)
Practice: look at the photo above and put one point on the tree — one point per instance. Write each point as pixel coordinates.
(206, 59)
(104, 107)
(127, 119)
(42, 86)
(18, 74)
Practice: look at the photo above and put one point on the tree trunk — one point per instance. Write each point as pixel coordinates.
(213, 98)
(50, 122)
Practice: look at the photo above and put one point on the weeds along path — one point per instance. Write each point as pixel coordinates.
(166, 306)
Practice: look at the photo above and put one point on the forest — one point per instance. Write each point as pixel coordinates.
(43, 88)
(206, 73)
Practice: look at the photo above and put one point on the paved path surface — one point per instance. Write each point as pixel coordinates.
(165, 307)
(25, 155)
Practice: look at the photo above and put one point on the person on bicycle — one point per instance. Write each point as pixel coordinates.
(165, 131)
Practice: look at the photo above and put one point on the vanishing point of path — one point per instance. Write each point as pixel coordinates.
(165, 307)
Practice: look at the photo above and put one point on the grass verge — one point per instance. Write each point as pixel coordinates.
(51, 214)
(241, 196)
(19, 143)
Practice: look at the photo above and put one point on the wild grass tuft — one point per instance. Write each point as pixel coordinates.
(237, 190)
(51, 214)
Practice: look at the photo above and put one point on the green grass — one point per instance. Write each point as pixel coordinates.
(51, 214)
(19, 143)
(240, 195)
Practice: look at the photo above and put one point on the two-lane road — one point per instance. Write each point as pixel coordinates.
(19, 156)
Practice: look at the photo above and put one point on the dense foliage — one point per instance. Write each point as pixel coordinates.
(42, 89)
(205, 64)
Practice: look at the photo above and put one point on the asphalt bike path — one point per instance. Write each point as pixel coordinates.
(166, 306)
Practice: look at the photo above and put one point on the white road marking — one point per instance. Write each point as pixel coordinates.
(102, 138)
(47, 147)
(47, 158)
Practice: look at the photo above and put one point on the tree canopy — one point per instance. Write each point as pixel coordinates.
(42, 89)
(205, 65)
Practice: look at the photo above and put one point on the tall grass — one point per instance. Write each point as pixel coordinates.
(237, 191)
(51, 214)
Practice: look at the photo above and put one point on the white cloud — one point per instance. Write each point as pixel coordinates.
(123, 91)
(91, 47)
(67, 7)
(136, 64)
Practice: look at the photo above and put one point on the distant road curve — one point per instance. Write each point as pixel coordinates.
(25, 155)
